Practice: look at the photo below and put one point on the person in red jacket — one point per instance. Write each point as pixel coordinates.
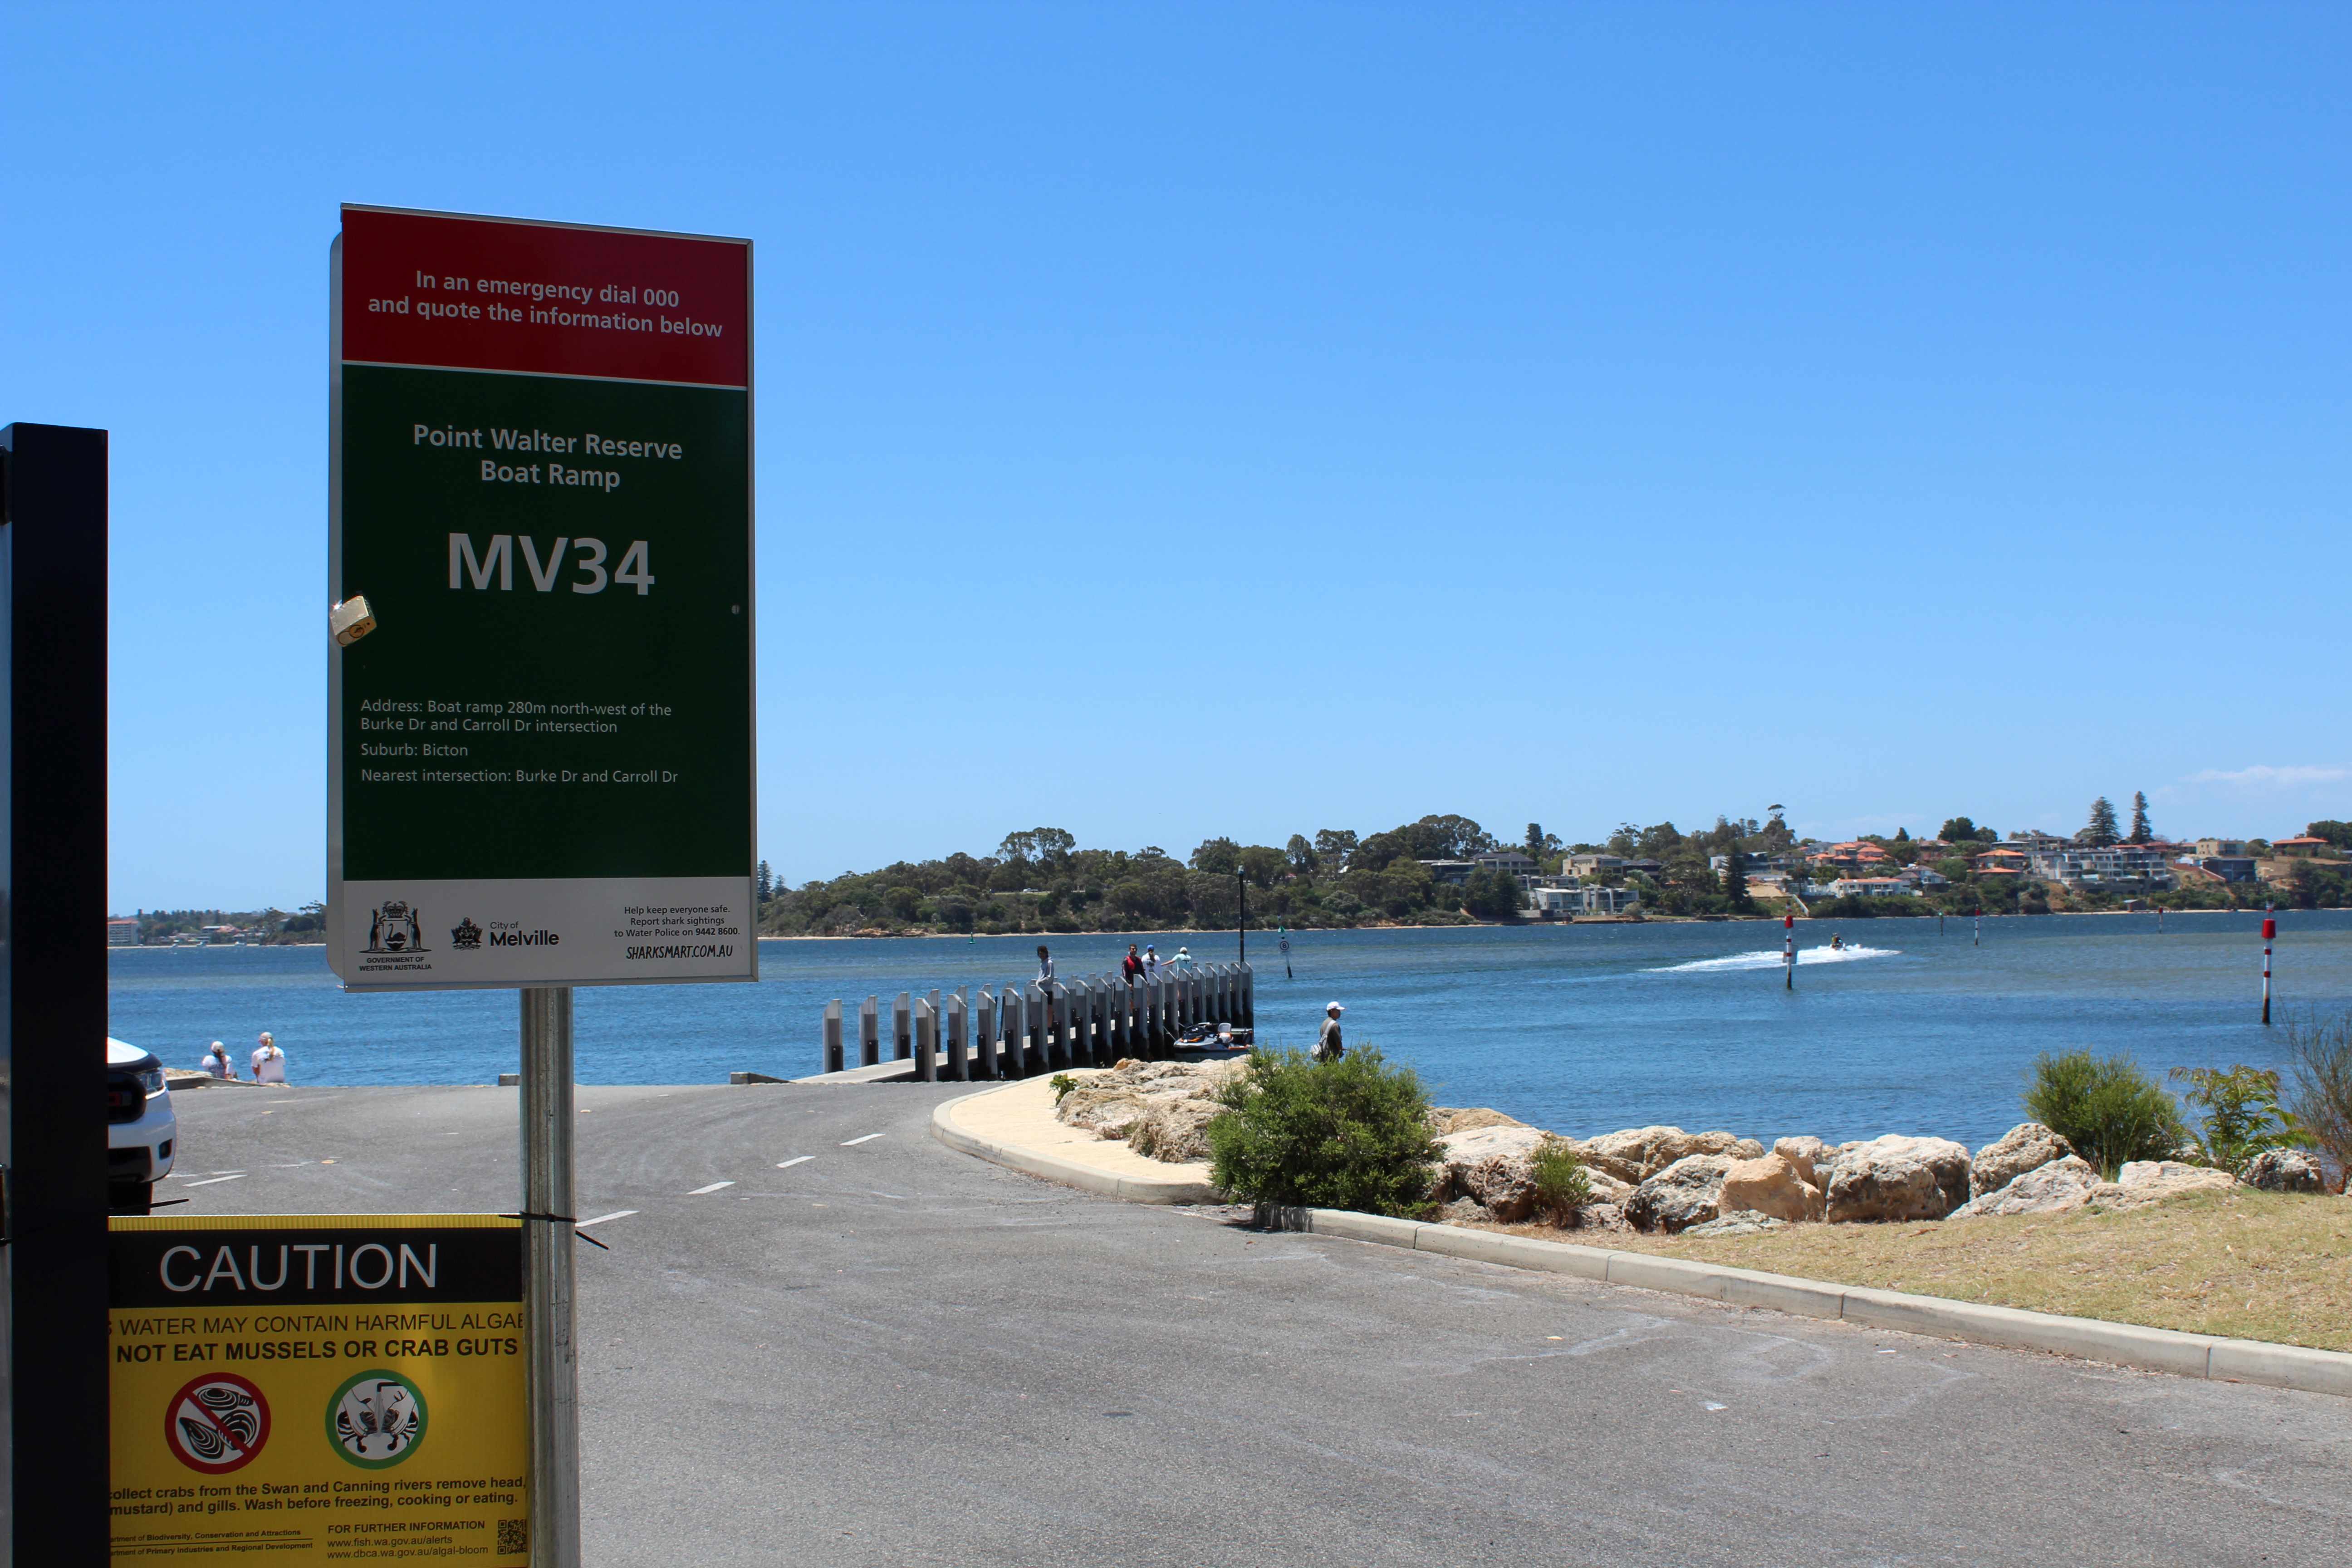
(1132, 966)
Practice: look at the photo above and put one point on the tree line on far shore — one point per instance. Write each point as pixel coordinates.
(1039, 880)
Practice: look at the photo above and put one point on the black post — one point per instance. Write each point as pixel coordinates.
(52, 992)
(1241, 931)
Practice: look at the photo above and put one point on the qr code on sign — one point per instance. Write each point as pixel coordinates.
(514, 1535)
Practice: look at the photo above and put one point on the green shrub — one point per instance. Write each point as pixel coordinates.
(2107, 1110)
(1350, 1134)
(1061, 1083)
(1562, 1187)
(2321, 1100)
(2242, 1112)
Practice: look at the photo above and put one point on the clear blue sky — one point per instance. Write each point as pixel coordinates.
(1185, 420)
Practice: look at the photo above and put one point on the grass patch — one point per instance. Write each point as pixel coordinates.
(2247, 1264)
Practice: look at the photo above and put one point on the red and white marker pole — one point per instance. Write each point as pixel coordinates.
(2270, 931)
(1789, 948)
(1975, 929)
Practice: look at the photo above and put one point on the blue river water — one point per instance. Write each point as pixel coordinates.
(1580, 1028)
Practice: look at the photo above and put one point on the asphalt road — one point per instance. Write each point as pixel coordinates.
(892, 1353)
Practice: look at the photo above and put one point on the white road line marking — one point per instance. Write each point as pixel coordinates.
(214, 1181)
(713, 1187)
(795, 1160)
(600, 1219)
(869, 1138)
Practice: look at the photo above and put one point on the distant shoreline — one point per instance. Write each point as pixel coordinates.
(1309, 930)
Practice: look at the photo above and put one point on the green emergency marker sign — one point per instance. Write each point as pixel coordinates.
(539, 757)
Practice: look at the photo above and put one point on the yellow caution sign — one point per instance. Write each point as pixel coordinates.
(298, 1389)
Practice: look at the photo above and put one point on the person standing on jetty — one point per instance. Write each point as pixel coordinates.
(1327, 1044)
(1045, 983)
(1131, 967)
(1150, 961)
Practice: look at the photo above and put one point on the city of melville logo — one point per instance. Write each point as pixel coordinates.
(466, 935)
(396, 927)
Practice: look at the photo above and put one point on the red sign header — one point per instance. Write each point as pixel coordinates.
(475, 293)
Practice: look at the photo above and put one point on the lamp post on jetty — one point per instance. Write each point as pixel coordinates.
(1241, 930)
(1789, 949)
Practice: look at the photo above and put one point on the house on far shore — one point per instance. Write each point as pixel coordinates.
(2031, 841)
(2104, 868)
(1510, 861)
(1591, 898)
(2222, 867)
(2005, 861)
(122, 934)
(2220, 846)
(2302, 846)
(1454, 871)
(1872, 887)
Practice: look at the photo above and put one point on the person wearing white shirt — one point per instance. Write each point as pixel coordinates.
(269, 1061)
(216, 1064)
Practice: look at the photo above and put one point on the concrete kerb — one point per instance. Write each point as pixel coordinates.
(1068, 1172)
(2121, 1344)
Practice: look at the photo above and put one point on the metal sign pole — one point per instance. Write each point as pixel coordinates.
(53, 1168)
(548, 1280)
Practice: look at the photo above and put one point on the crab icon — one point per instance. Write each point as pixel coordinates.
(376, 1419)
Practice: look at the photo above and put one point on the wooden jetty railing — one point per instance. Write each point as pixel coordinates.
(1018, 1031)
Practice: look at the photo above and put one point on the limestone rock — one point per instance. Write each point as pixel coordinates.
(1898, 1178)
(2283, 1171)
(2145, 1181)
(1175, 1130)
(1606, 1188)
(1641, 1153)
(1684, 1194)
(1604, 1216)
(2025, 1147)
(1770, 1185)
(1493, 1166)
(1114, 1102)
(1802, 1153)
(2066, 1183)
(1444, 1119)
(1739, 1222)
(1108, 1113)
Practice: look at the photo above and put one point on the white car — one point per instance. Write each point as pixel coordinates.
(142, 1134)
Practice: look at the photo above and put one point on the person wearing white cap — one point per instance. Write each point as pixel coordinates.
(1328, 1047)
(269, 1061)
(215, 1063)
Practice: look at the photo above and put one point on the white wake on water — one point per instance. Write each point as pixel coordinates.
(1770, 959)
